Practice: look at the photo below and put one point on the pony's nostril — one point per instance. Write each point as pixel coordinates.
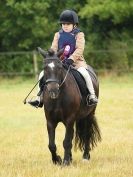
(58, 86)
(53, 94)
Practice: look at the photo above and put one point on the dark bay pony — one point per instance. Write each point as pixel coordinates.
(62, 103)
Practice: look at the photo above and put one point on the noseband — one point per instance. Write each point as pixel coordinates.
(51, 80)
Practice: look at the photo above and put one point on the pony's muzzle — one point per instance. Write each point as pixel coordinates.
(53, 90)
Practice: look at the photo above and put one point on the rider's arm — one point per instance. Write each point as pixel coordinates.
(54, 45)
(80, 44)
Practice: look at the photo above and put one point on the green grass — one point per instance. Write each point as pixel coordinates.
(24, 142)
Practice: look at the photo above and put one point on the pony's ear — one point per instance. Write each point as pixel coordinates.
(41, 51)
(60, 52)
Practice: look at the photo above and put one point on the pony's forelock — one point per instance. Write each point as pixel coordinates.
(51, 52)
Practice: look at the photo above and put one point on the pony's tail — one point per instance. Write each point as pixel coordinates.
(87, 131)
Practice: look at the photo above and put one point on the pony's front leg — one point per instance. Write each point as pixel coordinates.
(67, 143)
(52, 147)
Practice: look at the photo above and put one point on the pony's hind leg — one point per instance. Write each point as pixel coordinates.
(83, 133)
(52, 147)
(86, 149)
(92, 135)
(87, 135)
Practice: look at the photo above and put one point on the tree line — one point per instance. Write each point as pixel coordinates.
(107, 24)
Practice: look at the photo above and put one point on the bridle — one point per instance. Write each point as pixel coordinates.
(55, 80)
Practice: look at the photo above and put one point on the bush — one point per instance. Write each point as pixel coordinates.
(118, 58)
(16, 63)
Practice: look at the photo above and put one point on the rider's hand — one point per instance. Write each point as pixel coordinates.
(69, 62)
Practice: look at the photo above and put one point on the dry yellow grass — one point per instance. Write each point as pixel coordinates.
(23, 134)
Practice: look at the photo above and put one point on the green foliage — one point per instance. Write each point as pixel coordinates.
(110, 24)
(117, 11)
(107, 26)
(118, 59)
(17, 63)
(24, 24)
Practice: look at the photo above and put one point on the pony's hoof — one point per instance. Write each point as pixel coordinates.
(86, 157)
(57, 160)
(66, 162)
(85, 160)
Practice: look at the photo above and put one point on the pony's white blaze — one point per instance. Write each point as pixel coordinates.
(51, 65)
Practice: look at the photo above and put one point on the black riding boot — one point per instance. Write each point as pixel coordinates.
(36, 103)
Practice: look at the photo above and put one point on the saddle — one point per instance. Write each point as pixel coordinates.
(81, 81)
(81, 84)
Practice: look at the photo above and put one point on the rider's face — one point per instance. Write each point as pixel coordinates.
(67, 27)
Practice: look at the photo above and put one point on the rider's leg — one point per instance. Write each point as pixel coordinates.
(92, 99)
(37, 102)
(39, 86)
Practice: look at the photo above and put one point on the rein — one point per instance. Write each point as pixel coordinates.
(65, 77)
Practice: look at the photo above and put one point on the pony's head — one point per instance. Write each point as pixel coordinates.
(52, 71)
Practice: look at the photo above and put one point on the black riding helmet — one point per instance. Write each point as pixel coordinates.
(69, 16)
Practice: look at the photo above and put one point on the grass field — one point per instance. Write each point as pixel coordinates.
(23, 135)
